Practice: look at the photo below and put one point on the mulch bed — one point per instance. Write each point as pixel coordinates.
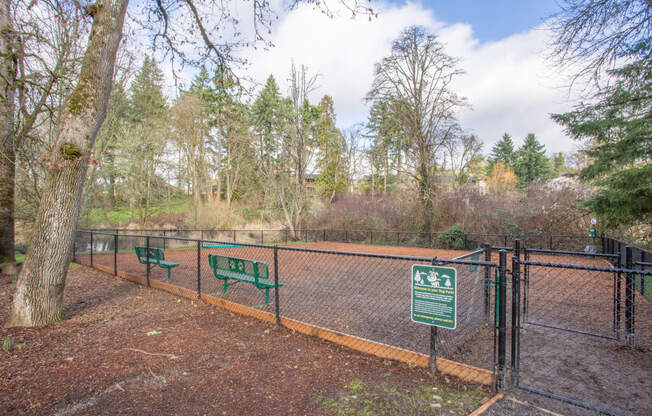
(370, 298)
(125, 349)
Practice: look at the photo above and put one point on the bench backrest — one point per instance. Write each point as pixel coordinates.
(255, 269)
(154, 254)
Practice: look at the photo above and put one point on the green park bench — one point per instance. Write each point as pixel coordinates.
(241, 270)
(154, 256)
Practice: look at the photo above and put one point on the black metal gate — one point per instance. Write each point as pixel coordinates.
(574, 332)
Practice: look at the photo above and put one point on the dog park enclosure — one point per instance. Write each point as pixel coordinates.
(569, 299)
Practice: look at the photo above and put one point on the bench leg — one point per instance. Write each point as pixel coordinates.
(226, 284)
(267, 296)
(169, 273)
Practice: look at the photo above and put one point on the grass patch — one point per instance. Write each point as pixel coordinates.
(122, 214)
(359, 399)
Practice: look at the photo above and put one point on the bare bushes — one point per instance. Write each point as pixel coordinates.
(217, 215)
(540, 209)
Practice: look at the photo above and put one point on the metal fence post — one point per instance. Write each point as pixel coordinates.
(432, 362)
(643, 260)
(398, 238)
(502, 318)
(550, 245)
(604, 244)
(324, 236)
(276, 305)
(617, 295)
(526, 281)
(115, 254)
(147, 251)
(91, 248)
(234, 236)
(198, 269)
(516, 312)
(286, 236)
(487, 271)
(629, 298)
(74, 248)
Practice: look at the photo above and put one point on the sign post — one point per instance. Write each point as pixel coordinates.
(434, 301)
(592, 232)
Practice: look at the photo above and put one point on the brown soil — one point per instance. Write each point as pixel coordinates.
(124, 349)
(392, 250)
(367, 297)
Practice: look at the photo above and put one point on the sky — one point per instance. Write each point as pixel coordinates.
(502, 46)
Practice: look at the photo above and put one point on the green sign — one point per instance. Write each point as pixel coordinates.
(434, 295)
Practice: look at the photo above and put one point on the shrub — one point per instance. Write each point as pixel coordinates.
(455, 238)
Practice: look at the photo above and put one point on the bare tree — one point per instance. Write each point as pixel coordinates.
(7, 153)
(594, 34)
(39, 293)
(289, 179)
(417, 78)
(175, 27)
(44, 56)
(460, 151)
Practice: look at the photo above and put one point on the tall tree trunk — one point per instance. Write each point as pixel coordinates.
(39, 293)
(7, 154)
(219, 167)
(425, 192)
(112, 175)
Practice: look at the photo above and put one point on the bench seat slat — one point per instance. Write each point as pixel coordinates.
(164, 263)
(245, 278)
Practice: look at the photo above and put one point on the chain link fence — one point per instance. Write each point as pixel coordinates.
(437, 240)
(362, 295)
(569, 324)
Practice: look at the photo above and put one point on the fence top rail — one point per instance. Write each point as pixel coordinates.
(571, 253)
(334, 231)
(502, 248)
(311, 250)
(643, 263)
(586, 267)
(389, 256)
(467, 255)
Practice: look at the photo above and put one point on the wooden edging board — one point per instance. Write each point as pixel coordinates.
(480, 410)
(463, 371)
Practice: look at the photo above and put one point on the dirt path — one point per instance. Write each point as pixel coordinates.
(124, 349)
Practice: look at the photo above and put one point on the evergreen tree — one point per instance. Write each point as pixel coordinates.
(147, 100)
(531, 164)
(558, 164)
(331, 160)
(389, 142)
(503, 151)
(619, 128)
(267, 120)
(144, 143)
(611, 40)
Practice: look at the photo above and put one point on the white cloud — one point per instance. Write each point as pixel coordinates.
(509, 83)
(342, 50)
